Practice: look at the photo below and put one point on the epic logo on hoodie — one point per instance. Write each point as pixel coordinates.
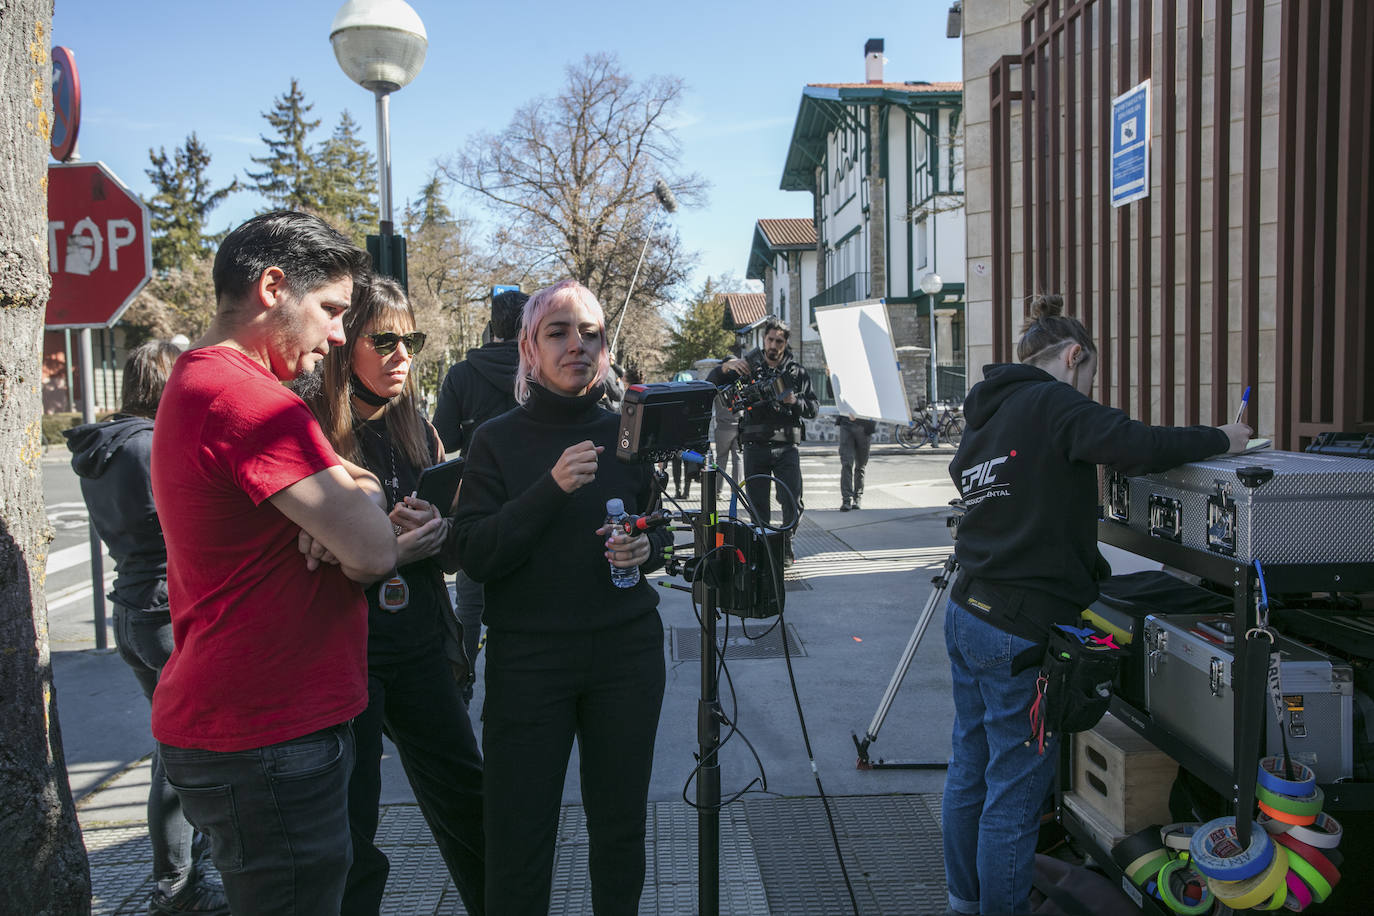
(979, 482)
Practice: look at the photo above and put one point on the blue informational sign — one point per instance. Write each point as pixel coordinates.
(1130, 145)
(498, 289)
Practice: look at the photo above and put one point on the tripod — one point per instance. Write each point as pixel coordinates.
(941, 581)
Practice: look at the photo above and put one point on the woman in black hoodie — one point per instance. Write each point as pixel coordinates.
(568, 653)
(1027, 550)
(112, 460)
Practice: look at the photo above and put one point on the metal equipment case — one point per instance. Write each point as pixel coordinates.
(1188, 690)
(1276, 507)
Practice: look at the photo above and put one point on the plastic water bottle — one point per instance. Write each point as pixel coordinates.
(621, 578)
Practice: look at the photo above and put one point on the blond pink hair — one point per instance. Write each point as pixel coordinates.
(536, 310)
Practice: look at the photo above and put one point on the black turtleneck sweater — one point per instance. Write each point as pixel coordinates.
(534, 546)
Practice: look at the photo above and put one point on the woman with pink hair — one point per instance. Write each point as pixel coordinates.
(569, 655)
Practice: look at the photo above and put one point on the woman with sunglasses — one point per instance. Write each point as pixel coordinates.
(569, 655)
(415, 660)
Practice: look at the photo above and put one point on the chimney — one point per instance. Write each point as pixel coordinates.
(873, 60)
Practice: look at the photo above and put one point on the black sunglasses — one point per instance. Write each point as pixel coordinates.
(384, 342)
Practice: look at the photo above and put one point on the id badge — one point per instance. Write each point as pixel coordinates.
(394, 594)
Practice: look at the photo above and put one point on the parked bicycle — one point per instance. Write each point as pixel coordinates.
(946, 427)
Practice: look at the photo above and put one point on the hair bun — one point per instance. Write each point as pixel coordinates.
(1046, 305)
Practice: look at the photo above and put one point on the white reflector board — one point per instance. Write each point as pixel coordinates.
(863, 361)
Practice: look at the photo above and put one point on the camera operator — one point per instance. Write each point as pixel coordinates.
(770, 430)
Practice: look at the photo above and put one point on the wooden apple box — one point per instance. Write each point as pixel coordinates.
(1122, 776)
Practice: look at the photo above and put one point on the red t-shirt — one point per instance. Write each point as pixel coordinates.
(265, 650)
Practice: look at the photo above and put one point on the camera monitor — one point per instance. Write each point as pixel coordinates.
(659, 420)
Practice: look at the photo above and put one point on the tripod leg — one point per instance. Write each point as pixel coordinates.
(942, 582)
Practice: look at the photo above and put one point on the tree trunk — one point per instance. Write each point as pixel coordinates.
(43, 867)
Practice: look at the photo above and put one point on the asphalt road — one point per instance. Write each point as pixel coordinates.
(893, 473)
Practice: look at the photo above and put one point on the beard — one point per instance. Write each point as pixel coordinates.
(308, 385)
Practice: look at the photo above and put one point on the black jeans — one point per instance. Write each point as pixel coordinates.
(277, 819)
(543, 689)
(144, 639)
(418, 705)
(854, 444)
(781, 461)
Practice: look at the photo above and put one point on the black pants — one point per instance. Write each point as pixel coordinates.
(781, 461)
(854, 445)
(605, 688)
(419, 706)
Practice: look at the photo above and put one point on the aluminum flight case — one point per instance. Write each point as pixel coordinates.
(1305, 508)
(1188, 691)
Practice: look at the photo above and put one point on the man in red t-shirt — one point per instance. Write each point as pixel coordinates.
(270, 536)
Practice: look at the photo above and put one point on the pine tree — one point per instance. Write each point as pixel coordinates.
(181, 203)
(700, 332)
(347, 180)
(289, 178)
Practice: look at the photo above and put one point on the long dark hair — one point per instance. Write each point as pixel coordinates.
(380, 302)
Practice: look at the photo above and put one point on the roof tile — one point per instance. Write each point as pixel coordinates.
(786, 233)
(744, 308)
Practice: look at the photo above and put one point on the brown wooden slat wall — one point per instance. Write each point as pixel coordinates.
(1324, 335)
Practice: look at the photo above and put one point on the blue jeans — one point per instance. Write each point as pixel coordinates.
(144, 638)
(997, 785)
(277, 819)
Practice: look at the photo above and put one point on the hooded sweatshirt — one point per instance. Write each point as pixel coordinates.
(475, 390)
(112, 460)
(1027, 471)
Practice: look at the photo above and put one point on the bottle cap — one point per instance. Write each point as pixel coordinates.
(615, 506)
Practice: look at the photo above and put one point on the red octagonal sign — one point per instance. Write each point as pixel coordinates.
(100, 253)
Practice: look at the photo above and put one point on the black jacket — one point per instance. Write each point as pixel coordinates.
(475, 390)
(780, 423)
(535, 546)
(112, 460)
(1027, 470)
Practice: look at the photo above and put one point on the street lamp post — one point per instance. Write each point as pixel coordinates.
(381, 45)
(931, 284)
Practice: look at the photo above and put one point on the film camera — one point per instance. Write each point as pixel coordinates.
(768, 386)
(741, 561)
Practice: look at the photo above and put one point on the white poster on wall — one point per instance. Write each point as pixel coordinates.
(864, 372)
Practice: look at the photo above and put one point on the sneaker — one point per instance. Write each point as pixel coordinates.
(203, 897)
(856, 503)
(845, 506)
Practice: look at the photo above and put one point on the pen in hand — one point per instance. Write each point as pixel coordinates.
(1244, 402)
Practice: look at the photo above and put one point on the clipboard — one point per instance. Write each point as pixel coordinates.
(438, 484)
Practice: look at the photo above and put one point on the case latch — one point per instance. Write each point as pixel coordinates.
(1216, 678)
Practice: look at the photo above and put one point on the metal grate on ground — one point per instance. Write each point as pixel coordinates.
(891, 845)
(753, 640)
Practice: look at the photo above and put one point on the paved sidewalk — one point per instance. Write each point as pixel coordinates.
(853, 598)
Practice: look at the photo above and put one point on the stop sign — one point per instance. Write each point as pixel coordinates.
(100, 252)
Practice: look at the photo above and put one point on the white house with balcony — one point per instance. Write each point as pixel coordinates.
(883, 162)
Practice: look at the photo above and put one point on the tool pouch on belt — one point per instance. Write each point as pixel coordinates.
(1074, 688)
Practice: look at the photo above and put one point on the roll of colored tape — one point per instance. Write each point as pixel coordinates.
(1296, 820)
(1174, 878)
(1320, 887)
(1296, 779)
(1314, 857)
(1303, 805)
(1324, 832)
(1299, 895)
(1217, 852)
(1280, 897)
(1255, 890)
(1272, 826)
(1136, 845)
(1176, 836)
(1147, 866)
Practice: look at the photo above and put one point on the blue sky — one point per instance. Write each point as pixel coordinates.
(152, 72)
